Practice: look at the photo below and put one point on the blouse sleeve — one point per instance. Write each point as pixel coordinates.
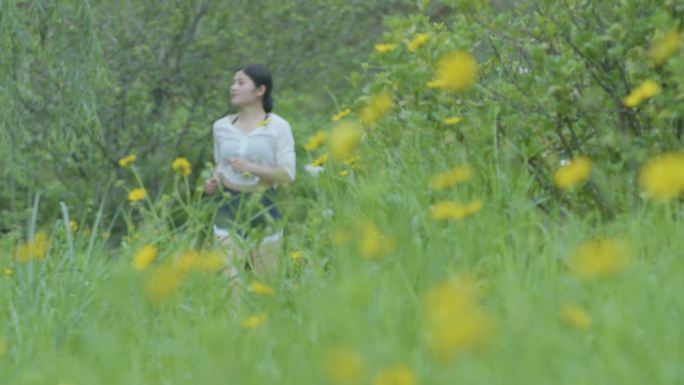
(285, 153)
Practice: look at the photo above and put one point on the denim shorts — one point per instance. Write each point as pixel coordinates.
(251, 215)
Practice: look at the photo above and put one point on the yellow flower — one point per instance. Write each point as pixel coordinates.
(320, 160)
(573, 173)
(340, 115)
(382, 48)
(316, 140)
(452, 121)
(344, 366)
(646, 90)
(373, 243)
(127, 160)
(665, 47)
(254, 321)
(3, 346)
(398, 375)
(144, 257)
(452, 210)
(35, 249)
(343, 140)
(662, 178)
(137, 194)
(163, 282)
(7, 271)
(452, 177)
(457, 71)
(73, 226)
(599, 258)
(378, 106)
(188, 261)
(575, 317)
(263, 122)
(454, 319)
(296, 257)
(417, 41)
(262, 289)
(211, 262)
(344, 172)
(182, 166)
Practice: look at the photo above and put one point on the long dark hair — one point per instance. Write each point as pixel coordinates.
(260, 75)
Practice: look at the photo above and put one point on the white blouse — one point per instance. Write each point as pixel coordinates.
(269, 145)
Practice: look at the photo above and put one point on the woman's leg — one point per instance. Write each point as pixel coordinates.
(235, 257)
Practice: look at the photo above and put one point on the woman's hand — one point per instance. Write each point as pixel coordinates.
(241, 166)
(211, 184)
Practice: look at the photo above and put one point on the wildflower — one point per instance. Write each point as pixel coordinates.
(662, 178)
(163, 282)
(262, 289)
(343, 140)
(254, 321)
(34, 249)
(137, 194)
(573, 173)
(316, 140)
(181, 166)
(73, 226)
(379, 105)
(665, 47)
(452, 210)
(127, 160)
(340, 115)
(344, 172)
(263, 122)
(646, 90)
(144, 257)
(575, 317)
(452, 121)
(373, 243)
(211, 262)
(296, 257)
(417, 41)
(188, 261)
(454, 319)
(399, 375)
(7, 271)
(344, 366)
(599, 258)
(320, 160)
(456, 71)
(382, 48)
(452, 177)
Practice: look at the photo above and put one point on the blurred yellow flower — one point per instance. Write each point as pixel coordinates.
(73, 226)
(262, 289)
(454, 319)
(452, 120)
(163, 282)
(320, 160)
(144, 257)
(575, 172)
(7, 271)
(340, 115)
(344, 366)
(662, 178)
(35, 249)
(452, 210)
(646, 90)
(665, 47)
(382, 48)
(378, 106)
(452, 177)
(254, 321)
(398, 375)
(296, 257)
(456, 71)
(137, 194)
(344, 172)
(373, 242)
(575, 317)
(343, 140)
(599, 258)
(187, 261)
(417, 41)
(181, 166)
(127, 160)
(316, 140)
(211, 261)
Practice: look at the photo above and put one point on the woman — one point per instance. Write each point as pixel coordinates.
(253, 153)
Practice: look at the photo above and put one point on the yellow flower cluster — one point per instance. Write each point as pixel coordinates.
(646, 90)
(454, 319)
(34, 249)
(398, 375)
(341, 115)
(254, 321)
(662, 178)
(452, 210)
(137, 194)
(316, 140)
(166, 280)
(450, 178)
(127, 160)
(456, 71)
(575, 172)
(378, 106)
(181, 166)
(343, 140)
(575, 317)
(599, 258)
(417, 41)
(665, 47)
(262, 289)
(384, 47)
(344, 366)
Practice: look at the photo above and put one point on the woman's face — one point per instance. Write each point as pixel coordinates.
(243, 92)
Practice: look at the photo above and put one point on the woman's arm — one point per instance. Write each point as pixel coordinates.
(275, 174)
